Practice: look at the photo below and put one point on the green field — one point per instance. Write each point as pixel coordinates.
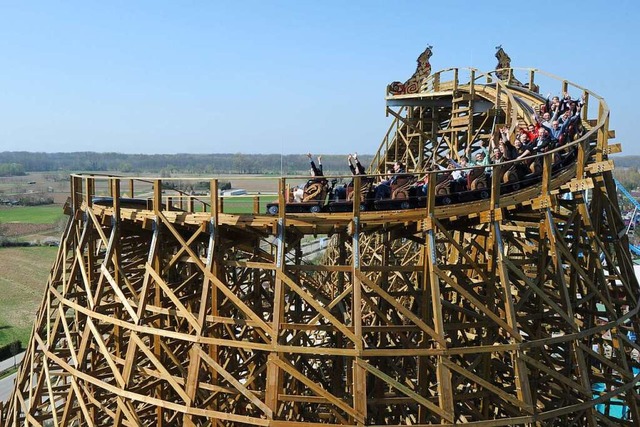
(245, 204)
(47, 214)
(23, 278)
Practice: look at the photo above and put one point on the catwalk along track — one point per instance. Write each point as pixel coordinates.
(511, 303)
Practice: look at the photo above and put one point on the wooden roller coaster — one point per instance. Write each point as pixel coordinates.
(515, 305)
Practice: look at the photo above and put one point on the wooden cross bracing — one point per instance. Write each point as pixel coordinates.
(502, 311)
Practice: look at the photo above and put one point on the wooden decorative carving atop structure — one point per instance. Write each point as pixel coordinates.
(504, 63)
(505, 73)
(514, 304)
(413, 85)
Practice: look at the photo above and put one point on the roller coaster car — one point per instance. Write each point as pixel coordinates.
(476, 179)
(366, 198)
(402, 194)
(443, 185)
(313, 198)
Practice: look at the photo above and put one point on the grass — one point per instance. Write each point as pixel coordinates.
(46, 214)
(23, 278)
(245, 204)
(7, 372)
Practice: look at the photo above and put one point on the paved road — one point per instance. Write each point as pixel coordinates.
(6, 384)
(8, 363)
(6, 387)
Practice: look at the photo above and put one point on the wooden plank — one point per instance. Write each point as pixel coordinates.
(587, 393)
(166, 375)
(614, 148)
(600, 167)
(315, 388)
(320, 309)
(477, 303)
(123, 299)
(484, 383)
(403, 310)
(176, 301)
(152, 400)
(183, 248)
(406, 390)
(238, 386)
(108, 357)
(221, 286)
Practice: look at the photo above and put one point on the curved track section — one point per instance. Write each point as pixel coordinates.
(519, 308)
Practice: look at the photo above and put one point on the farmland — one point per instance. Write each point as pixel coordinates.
(23, 277)
(46, 214)
(24, 270)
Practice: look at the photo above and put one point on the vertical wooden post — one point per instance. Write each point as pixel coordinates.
(117, 254)
(603, 135)
(532, 74)
(157, 195)
(443, 373)
(274, 374)
(131, 192)
(581, 160)
(90, 189)
(213, 197)
(423, 363)
(214, 239)
(76, 193)
(359, 373)
(431, 192)
(455, 81)
(508, 108)
(547, 163)
(90, 253)
(115, 190)
(496, 180)
(520, 368)
(157, 300)
(256, 204)
(585, 107)
(472, 94)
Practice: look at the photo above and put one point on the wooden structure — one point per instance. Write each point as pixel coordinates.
(510, 310)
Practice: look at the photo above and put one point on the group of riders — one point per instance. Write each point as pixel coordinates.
(555, 126)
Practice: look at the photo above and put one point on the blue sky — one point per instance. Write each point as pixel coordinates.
(277, 76)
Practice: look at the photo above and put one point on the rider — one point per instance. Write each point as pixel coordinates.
(357, 169)
(383, 190)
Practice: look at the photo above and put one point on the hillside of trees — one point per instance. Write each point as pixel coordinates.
(167, 164)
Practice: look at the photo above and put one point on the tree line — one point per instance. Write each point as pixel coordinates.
(166, 164)
(12, 169)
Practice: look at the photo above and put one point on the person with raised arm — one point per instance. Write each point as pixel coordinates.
(354, 165)
(315, 170)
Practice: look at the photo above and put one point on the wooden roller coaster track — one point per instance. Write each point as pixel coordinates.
(515, 308)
